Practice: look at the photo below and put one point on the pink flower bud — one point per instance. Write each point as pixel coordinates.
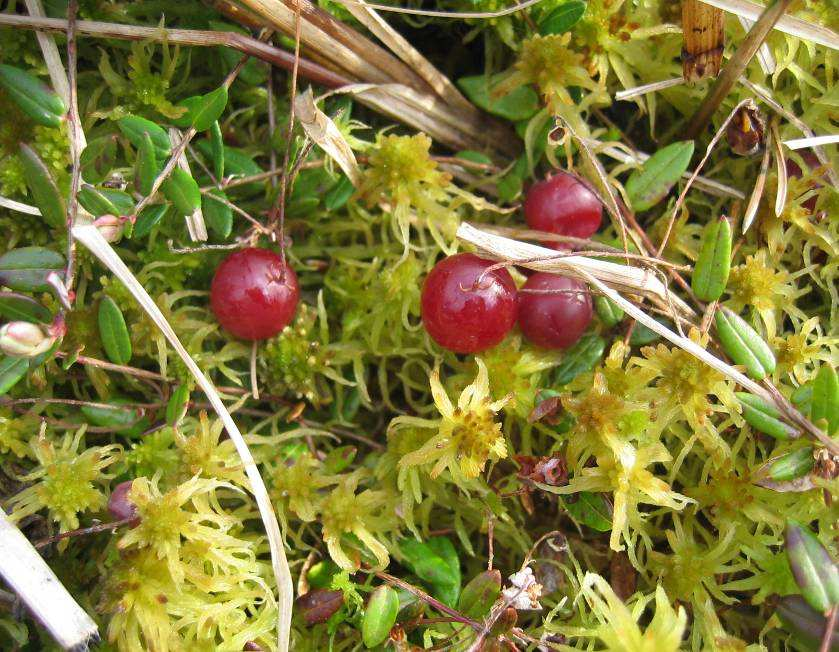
(110, 226)
(20, 339)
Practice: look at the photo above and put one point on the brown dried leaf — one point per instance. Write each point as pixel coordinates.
(704, 39)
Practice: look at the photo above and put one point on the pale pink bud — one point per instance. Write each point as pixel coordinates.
(110, 226)
(20, 339)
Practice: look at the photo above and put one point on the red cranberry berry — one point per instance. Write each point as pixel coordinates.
(254, 294)
(119, 504)
(465, 314)
(564, 205)
(555, 312)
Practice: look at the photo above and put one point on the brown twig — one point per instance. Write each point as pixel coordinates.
(74, 126)
(434, 603)
(83, 531)
(735, 67)
(827, 638)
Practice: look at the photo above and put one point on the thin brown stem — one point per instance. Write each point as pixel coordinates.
(83, 531)
(735, 67)
(827, 637)
(74, 127)
(434, 603)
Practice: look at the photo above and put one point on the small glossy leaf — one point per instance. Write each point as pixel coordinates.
(11, 372)
(562, 18)
(236, 164)
(217, 147)
(763, 416)
(805, 623)
(319, 605)
(133, 127)
(581, 357)
(744, 345)
(792, 465)
(98, 158)
(217, 215)
(815, 572)
(650, 184)
(19, 307)
(435, 562)
(203, 110)
(710, 274)
(825, 402)
(148, 219)
(146, 167)
(26, 269)
(177, 405)
(36, 99)
(642, 335)
(118, 417)
(519, 104)
(608, 311)
(113, 332)
(95, 202)
(45, 193)
(182, 190)
(591, 509)
(339, 194)
(379, 616)
(339, 459)
(480, 594)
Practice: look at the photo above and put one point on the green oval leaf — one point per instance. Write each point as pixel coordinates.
(133, 127)
(792, 465)
(146, 167)
(113, 332)
(36, 99)
(118, 417)
(177, 405)
(98, 158)
(148, 219)
(95, 202)
(236, 164)
(825, 402)
(643, 335)
(379, 616)
(183, 191)
(217, 147)
(806, 623)
(562, 18)
(581, 357)
(217, 215)
(44, 190)
(815, 572)
(744, 345)
(650, 184)
(608, 311)
(339, 194)
(710, 274)
(763, 416)
(11, 372)
(519, 104)
(591, 509)
(26, 269)
(435, 562)
(19, 307)
(480, 594)
(203, 110)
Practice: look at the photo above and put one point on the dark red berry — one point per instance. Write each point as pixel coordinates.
(461, 313)
(119, 504)
(563, 204)
(554, 311)
(254, 294)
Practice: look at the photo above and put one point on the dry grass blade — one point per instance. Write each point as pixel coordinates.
(90, 237)
(811, 141)
(326, 135)
(757, 191)
(764, 54)
(20, 207)
(630, 279)
(194, 222)
(704, 39)
(781, 167)
(52, 58)
(26, 573)
(449, 14)
(787, 24)
(637, 91)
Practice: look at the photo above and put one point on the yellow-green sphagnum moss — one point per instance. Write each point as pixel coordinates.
(618, 494)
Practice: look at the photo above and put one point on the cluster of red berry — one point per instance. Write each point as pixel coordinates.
(469, 306)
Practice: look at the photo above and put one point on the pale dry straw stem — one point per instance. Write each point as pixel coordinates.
(812, 141)
(625, 277)
(760, 184)
(90, 237)
(25, 572)
(791, 25)
(695, 174)
(52, 59)
(20, 207)
(637, 91)
(780, 167)
(195, 224)
(449, 14)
